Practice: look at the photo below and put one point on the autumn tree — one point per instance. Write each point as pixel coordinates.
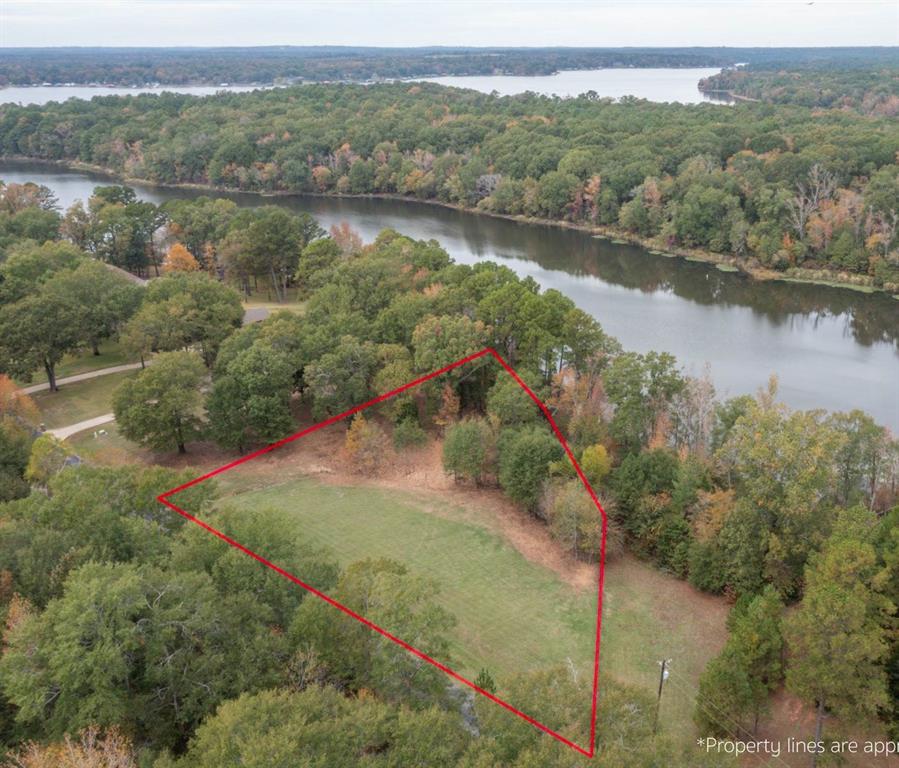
(179, 259)
(365, 445)
(782, 516)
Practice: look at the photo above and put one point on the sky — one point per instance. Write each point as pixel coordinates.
(449, 22)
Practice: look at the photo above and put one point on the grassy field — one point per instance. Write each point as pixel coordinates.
(78, 401)
(512, 614)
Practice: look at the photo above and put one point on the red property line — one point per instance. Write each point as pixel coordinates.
(163, 498)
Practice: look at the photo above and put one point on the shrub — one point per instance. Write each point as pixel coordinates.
(524, 462)
(596, 464)
(365, 445)
(468, 449)
(408, 433)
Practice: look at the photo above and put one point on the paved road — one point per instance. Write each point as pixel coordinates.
(81, 377)
(62, 433)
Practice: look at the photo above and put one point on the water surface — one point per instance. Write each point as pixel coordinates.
(44, 94)
(663, 84)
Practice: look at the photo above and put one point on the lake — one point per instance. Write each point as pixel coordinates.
(665, 84)
(830, 348)
(669, 84)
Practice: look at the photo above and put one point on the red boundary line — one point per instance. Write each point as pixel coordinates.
(163, 498)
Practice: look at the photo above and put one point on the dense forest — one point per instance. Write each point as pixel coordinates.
(869, 91)
(212, 66)
(150, 638)
(781, 188)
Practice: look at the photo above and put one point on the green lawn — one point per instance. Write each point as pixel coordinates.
(78, 401)
(513, 614)
(111, 353)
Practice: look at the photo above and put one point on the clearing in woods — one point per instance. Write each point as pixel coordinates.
(521, 603)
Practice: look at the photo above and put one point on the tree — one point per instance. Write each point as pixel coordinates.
(641, 387)
(596, 464)
(510, 404)
(574, 520)
(737, 683)
(725, 694)
(37, 332)
(151, 651)
(837, 637)
(15, 446)
(93, 748)
(340, 379)
(182, 310)
(440, 341)
(366, 445)
(159, 406)
(179, 259)
(91, 514)
(782, 515)
(28, 266)
(48, 457)
(524, 458)
(468, 449)
(391, 597)
(105, 299)
(232, 572)
(322, 726)
(250, 397)
(273, 243)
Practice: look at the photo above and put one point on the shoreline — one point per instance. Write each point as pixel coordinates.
(725, 263)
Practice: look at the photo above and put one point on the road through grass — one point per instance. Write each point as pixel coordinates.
(78, 401)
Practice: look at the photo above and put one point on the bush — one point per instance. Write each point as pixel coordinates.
(707, 567)
(596, 464)
(510, 404)
(365, 445)
(468, 450)
(408, 433)
(574, 520)
(525, 456)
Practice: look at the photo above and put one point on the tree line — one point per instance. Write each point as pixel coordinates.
(776, 187)
(213, 66)
(869, 91)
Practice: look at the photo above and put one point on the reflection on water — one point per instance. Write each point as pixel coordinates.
(830, 348)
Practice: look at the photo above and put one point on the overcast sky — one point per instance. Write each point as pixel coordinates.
(449, 22)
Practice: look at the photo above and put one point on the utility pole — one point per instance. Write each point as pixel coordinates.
(664, 665)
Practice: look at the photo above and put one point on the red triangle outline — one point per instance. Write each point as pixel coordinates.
(486, 352)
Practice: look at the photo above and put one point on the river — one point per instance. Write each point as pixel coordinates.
(830, 347)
